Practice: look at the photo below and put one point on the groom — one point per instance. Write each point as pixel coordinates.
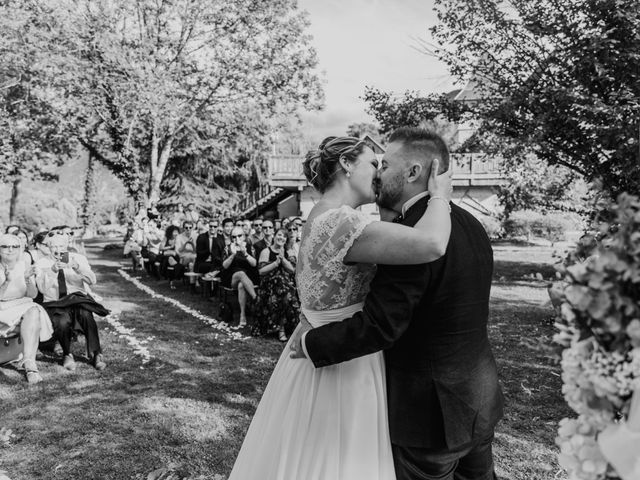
(431, 319)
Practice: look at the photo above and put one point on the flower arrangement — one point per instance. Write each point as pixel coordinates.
(599, 328)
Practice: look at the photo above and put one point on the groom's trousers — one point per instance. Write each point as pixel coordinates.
(470, 462)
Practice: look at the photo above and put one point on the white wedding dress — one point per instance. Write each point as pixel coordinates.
(328, 423)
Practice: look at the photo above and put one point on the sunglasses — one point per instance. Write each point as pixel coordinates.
(268, 227)
(213, 226)
(294, 229)
(257, 224)
(10, 247)
(236, 236)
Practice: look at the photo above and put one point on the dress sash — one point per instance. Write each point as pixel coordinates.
(320, 317)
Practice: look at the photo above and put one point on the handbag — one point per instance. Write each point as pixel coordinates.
(10, 348)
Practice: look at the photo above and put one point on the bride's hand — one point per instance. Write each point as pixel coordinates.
(440, 185)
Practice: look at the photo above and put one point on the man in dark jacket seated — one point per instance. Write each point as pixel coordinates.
(63, 278)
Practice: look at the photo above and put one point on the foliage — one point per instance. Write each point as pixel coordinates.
(491, 225)
(533, 184)
(32, 145)
(144, 85)
(599, 327)
(528, 223)
(557, 77)
(360, 129)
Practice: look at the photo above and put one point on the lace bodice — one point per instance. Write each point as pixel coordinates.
(324, 281)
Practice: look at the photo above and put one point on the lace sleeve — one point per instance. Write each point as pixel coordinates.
(349, 226)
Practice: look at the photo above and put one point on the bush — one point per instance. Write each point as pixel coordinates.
(599, 326)
(550, 226)
(492, 226)
(111, 230)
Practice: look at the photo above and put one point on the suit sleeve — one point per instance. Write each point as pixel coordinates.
(395, 292)
(202, 247)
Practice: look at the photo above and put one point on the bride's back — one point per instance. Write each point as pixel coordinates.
(324, 281)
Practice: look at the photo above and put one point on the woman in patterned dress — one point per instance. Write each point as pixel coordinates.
(277, 306)
(331, 423)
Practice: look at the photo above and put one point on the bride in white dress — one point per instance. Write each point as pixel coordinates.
(331, 423)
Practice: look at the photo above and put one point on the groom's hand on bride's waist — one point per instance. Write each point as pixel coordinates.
(296, 344)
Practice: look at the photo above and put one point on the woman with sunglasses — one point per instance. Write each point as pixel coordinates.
(239, 270)
(18, 312)
(277, 306)
(331, 423)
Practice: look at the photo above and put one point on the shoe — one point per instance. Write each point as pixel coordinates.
(98, 362)
(33, 377)
(243, 322)
(69, 363)
(282, 336)
(31, 371)
(57, 350)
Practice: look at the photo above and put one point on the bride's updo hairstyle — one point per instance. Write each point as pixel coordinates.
(321, 166)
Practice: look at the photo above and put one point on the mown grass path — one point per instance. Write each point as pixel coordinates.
(187, 409)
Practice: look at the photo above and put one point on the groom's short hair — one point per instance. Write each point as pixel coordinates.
(424, 144)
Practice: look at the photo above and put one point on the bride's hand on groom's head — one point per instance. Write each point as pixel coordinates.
(440, 185)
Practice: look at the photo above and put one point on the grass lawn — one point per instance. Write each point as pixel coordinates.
(187, 408)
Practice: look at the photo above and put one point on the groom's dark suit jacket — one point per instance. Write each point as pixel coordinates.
(431, 319)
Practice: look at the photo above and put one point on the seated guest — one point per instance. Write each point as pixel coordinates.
(63, 278)
(185, 246)
(227, 227)
(152, 211)
(257, 234)
(134, 246)
(209, 248)
(246, 228)
(239, 270)
(191, 214)
(178, 218)
(277, 307)
(153, 239)
(141, 212)
(267, 236)
(24, 241)
(294, 238)
(12, 229)
(18, 312)
(170, 266)
(40, 248)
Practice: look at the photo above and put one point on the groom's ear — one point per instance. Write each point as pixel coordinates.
(415, 170)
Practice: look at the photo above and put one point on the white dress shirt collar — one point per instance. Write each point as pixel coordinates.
(412, 201)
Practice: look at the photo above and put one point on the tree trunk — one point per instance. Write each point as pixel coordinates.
(88, 203)
(13, 205)
(159, 162)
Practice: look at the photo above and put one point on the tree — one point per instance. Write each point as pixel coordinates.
(31, 146)
(559, 78)
(359, 130)
(143, 85)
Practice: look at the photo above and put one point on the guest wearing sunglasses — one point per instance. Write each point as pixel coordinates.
(267, 237)
(18, 312)
(257, 234)
(239, 270)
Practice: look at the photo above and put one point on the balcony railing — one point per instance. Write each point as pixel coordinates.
(467, 168)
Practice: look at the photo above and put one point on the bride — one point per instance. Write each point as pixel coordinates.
(331, 423)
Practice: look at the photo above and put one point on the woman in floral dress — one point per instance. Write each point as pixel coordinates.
(277, 306)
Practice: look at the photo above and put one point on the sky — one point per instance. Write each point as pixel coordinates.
(368, 43)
